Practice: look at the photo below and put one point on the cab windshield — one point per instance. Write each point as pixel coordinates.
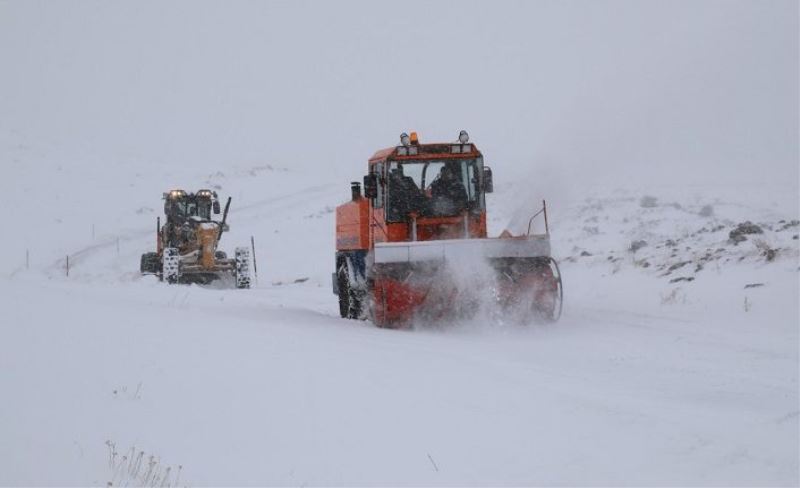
(186, 208)
(433, 188)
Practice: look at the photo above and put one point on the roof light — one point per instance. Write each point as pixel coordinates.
(404, 139)
(455, 148)
(402, 151)
(414, 139)
(412, 151)
(463, 137)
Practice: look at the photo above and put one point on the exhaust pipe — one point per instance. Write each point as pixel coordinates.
(355, 188)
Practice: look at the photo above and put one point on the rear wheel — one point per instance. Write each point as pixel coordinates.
(351, 294)
(149, 263)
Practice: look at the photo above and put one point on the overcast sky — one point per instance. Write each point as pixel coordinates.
(630, 90)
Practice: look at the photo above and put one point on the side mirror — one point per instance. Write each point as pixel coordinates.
(371, 185)
(488, 184)
(216, 207)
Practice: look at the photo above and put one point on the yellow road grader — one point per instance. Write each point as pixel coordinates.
(186, 245)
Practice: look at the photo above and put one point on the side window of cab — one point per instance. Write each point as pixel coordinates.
(378, 170)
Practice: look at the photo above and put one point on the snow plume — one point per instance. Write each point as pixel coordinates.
(460, 289)
(468, 290)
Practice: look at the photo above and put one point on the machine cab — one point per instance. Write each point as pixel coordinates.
(182, 206)
(428, 191)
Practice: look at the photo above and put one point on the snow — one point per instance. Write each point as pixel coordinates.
(654, 126)
(642, 381)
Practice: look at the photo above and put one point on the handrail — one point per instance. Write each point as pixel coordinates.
(546, 226)
(373, 222)
(377, 224)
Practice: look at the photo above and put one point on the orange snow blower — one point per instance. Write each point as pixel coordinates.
(415, 244)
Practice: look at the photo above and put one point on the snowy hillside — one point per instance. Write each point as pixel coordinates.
(663, 136)
(676, 363)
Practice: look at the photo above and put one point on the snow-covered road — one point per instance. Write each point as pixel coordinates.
(642, 382)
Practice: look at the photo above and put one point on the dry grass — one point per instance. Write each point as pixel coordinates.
(137, 468)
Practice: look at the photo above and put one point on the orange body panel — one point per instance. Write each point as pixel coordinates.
(395, 302)
(439, 228)
(352, 225)
(208, 244)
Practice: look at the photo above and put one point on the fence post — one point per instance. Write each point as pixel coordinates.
(255, 266)
(67, 265)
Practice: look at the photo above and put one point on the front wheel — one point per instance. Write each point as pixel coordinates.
(171, 265)
(149, 263)
(242, 273)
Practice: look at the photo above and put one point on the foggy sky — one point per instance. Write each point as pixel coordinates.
(669, 91)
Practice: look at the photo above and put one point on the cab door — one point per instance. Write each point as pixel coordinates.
(377, 224)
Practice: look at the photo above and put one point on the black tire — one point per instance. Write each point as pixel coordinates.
(150, 263)
(350, 299)
(170, 266)
(344, 292)
(241, 274)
